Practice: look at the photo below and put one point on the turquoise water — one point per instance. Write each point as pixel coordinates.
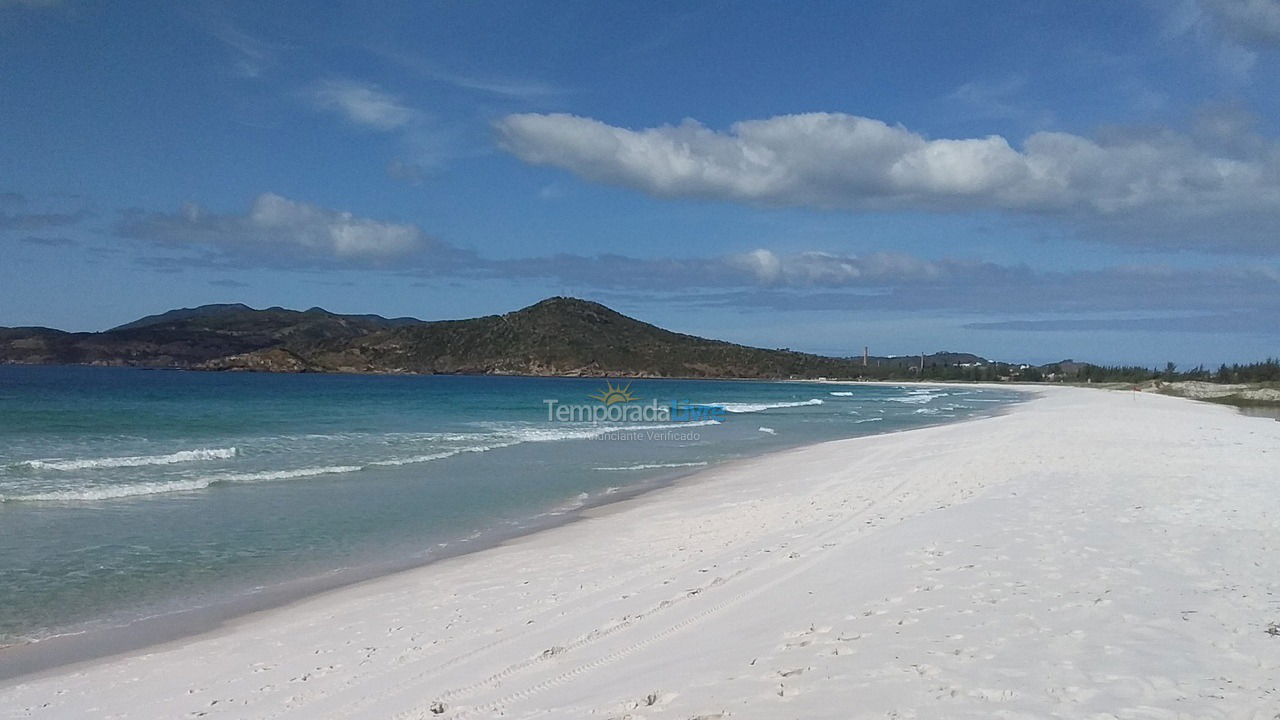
(128, 493)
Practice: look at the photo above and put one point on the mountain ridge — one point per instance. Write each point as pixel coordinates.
(556, 336)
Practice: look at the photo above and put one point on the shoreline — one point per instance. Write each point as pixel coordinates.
(1083, 555)
(43, 656)
(36, 658)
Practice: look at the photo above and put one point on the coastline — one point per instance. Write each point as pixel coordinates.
(741, 588)
(52, 654)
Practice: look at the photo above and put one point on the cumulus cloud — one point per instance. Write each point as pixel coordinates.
(837, 161)
(283, 232)
(363, 104)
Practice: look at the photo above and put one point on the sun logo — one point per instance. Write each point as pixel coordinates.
(611, 395)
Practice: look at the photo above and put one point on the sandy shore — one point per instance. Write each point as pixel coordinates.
(1091, 554)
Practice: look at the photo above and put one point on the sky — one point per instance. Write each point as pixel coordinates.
(1028, 181)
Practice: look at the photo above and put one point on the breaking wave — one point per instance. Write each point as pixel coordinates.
(182, 456)
(124, 490)
(502, 438)
(761, 407)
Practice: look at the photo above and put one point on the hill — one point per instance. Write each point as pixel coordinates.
(558, 336)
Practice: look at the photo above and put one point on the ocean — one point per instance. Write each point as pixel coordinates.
(127, 493)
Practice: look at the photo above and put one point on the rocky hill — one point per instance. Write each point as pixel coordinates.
(558, 336)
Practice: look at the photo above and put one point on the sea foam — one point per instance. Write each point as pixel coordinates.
(761, 407)
(124, 490)
(652, 466)
(182, 456)
(500, 439)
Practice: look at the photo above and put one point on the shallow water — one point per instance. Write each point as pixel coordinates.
(128, 493)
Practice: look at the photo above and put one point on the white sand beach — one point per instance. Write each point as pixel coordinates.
(1091, 554)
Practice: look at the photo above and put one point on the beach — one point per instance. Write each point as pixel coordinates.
(1089, 554)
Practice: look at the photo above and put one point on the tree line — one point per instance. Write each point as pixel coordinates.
(1266, 371)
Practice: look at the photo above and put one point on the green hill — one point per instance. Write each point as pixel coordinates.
(558, 336)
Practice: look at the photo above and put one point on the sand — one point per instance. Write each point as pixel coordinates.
(1091, 554)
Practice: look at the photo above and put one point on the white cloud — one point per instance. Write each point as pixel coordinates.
(759, 268)
(283, 232)
(425, 143)
(363, 104)
(1233, 33)
(819, 269)
(344, 235)
(832, 160)
(279, 232)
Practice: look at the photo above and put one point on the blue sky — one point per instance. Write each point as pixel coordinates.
(1024, 180)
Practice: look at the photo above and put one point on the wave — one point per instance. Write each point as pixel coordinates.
(530, 434)
(577, 503)
(653, 466)
(505, 439)
(113, 492)
(269, 475)
(517, 436)
(760, 407)
(842, 393)
(182, 456)
(876, 419)
(426, 458)
(913, 399)
(109, 492)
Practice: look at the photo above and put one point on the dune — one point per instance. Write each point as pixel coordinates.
(1089, 554)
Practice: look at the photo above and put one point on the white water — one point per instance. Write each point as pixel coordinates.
(505, 436)
(761, 407)
(652, 466)
(182, 456)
